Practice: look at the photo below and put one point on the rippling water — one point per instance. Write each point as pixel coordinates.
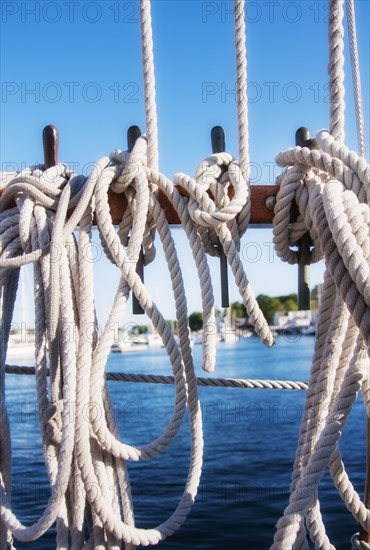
(250, 440)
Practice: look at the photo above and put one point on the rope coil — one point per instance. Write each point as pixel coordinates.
(331, 187)
(38, 230)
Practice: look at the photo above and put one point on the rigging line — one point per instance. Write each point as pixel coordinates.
(242, 104)
(149, 83)
(246, 383)
(356, 77)
(336, 69)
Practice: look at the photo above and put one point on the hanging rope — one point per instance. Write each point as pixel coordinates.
(331, 187)
(38, 231)
(242, 105)
(149, 83)
(336, 69)
(356, 76)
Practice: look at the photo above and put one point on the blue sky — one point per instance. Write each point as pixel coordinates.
(77, 64)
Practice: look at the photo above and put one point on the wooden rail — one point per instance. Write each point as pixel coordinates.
(262, 200)
(262, 196)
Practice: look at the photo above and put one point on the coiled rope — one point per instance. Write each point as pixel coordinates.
(331, 186)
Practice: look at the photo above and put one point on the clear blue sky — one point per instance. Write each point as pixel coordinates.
(77, 64)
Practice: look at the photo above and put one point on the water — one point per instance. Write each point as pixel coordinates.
(250, 440)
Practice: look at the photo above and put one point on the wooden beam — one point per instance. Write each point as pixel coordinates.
(260, 213)
(262, 196)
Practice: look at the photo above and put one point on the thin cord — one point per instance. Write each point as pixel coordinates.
(356, 77)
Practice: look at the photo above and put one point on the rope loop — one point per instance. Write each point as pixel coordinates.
(358, 544)
(202, 208)
(44, 230)
(307, 173)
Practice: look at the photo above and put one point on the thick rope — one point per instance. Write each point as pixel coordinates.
(89, 454)
(342, 235)
(336, 213)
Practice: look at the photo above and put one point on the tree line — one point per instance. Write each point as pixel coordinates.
(269, 306)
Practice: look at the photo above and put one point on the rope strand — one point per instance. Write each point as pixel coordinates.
(356, 77)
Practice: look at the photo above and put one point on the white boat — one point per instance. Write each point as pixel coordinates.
(154, 339)
(21, 347)
(309, 331)
(129, 342)
(123, 347)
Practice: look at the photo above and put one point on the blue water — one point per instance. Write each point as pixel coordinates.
(250, 441)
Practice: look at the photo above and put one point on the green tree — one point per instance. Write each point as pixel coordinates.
(238, 310)
(289, 302)
(269, 306)
(315, 297)
(195, 321)
(290, 305)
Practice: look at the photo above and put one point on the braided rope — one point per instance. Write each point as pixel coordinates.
(337, 215)
(38, 231)
(204, 382)
(336, 69)
(356, 77)
(339, 221)
(242, 104)
(149, 83)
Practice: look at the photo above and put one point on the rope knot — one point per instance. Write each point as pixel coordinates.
(52, 422)
(131, 164)
(307, 173)
(358, 544)
(211, 168)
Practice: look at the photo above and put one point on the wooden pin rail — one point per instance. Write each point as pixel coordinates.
(262, 196)
(261, 215)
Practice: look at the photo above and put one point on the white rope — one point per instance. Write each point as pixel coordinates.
(204, 212)
(339, 224)
(38, 231)
(356, 76)
(336, 69)
(331, 187)
(338, 221)
(149, 83)
(205, 382)
(242, 105)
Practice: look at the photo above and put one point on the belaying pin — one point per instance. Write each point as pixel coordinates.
(302, 139)
(219, 146)
(133, 133)
(50, 140)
